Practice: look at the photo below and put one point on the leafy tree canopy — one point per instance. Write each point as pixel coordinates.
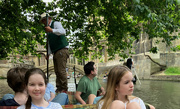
(88, 22)
(19, 26)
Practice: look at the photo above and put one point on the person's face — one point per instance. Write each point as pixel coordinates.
(44, 21)
(125, 86)
(36, 87)
(95, 70)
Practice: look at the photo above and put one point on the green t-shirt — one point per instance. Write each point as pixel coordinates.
(87, 87)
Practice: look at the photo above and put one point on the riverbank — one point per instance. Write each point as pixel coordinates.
(161, 76)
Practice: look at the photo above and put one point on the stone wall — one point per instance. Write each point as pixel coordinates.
(170, 59)
(145, 67)
(6, 66)
(142, 66)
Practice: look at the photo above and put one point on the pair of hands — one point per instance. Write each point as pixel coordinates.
(48, 29)
(102, 93)
(47, 57)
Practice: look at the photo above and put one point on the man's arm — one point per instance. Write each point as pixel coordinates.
(58, 29)
(78, 97)
(102, 91)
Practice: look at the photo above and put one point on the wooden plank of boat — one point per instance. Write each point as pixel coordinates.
(86, 106)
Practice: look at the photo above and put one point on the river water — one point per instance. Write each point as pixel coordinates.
(161, 94)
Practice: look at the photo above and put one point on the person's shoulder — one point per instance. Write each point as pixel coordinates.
(83, 78)
(139, 101)
(8, 102)
(134, 98)
(49, 85)
(1, 102)
(95, 79)
(21, 107)
(56, 22)
(54, 105)
(100, 104)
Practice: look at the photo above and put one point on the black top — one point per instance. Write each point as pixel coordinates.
(129, 61)
(9, 102)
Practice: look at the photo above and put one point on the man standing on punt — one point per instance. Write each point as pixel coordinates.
(58, 45)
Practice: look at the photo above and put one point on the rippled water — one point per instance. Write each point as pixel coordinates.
(161, 94)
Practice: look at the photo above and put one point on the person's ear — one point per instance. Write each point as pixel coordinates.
(91, 72)
(117, 87)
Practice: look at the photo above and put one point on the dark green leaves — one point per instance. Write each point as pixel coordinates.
(90, 24)
(19, 23)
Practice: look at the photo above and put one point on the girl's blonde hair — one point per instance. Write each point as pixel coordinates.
(114, 77)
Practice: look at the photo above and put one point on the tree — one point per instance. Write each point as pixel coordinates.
(87, 22)
(20, 31)
(119, 22)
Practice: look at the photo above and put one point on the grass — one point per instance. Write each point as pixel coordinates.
(172, 71)
(2, 77)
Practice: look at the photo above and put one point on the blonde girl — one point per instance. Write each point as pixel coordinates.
(119, 91)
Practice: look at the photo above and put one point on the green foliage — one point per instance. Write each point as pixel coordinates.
(172, 71)
(88, 22)
(20, 31)
(154, 50)
(119, 22)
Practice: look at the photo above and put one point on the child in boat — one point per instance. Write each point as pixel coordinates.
(15, 79)
(119, 91)
(36, 83)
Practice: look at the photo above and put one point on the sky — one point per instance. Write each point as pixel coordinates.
(47, 0)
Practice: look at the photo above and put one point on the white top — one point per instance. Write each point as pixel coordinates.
(58, 30)
(51, 105)
(138, 100)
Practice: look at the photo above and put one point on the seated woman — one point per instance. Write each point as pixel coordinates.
(119, 91)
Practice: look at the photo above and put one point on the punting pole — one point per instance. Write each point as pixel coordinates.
(75, 76)
(47, 49)
(136, 75)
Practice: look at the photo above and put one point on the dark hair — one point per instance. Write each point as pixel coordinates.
(28, 74)
(15, 79)
(89, 67)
